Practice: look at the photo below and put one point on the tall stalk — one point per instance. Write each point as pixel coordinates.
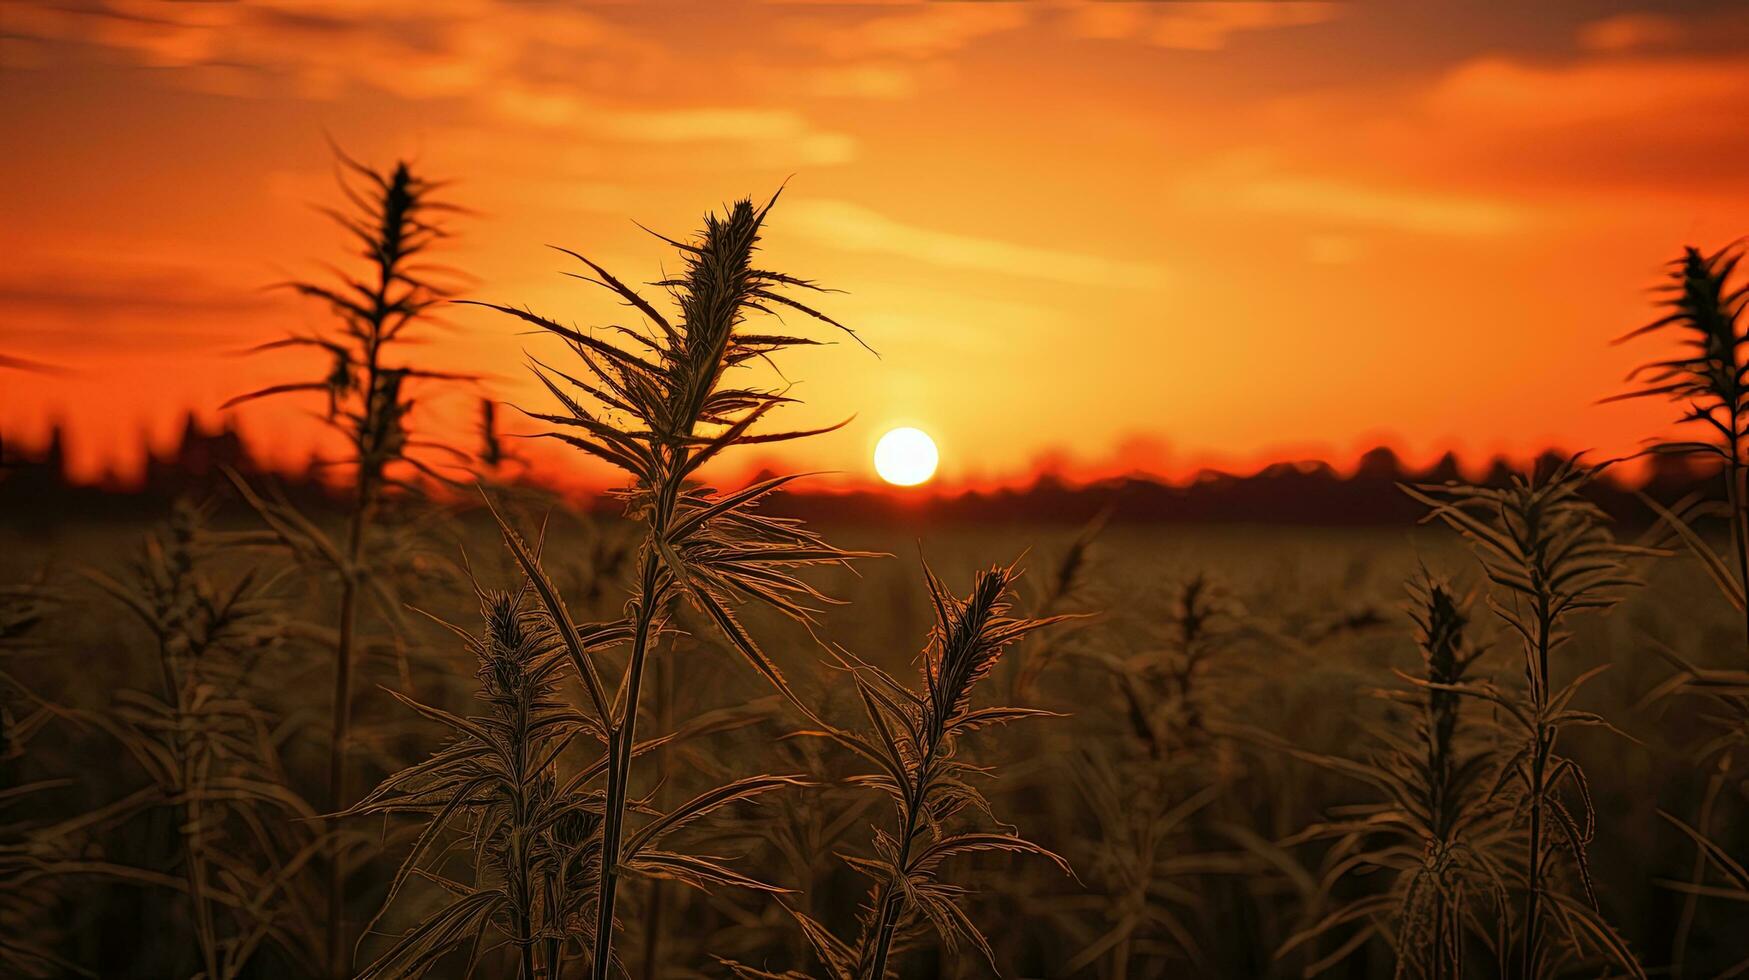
(498, 785)
(1546, 550)
(665, 693)
(1709, 378)
(658, 407)
(204, 742)
(395, 222)
(919, 742)
(1434, 830)
(913, 741)
(619, 750)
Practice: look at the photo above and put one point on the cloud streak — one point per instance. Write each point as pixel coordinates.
(849, 226)
(1197, 26)
(1346, 202)
(547, 65)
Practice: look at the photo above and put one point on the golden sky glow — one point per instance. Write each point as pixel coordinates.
(1088, 235)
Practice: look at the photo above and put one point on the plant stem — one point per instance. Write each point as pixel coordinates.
(1545, 737)
(619, 763)
(665, 694)
(341, 723)
(193, 864)
(1734, 494)
(1534, 873)
(892, 901)
(364, 504)
(555, 944)
(523, 896)
(195, 867)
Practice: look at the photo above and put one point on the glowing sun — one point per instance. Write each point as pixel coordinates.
(905, 457)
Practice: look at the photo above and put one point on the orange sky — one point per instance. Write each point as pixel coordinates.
(1111, 233)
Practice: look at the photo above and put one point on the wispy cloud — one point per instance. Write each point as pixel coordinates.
(543, 64)
(845, 225)
(551, 66)
(323, 48)
(116, 306)
(779, 134)
(1496, 93)
(123, 289)
(1351, 203)
(907, 31)
(1629, 32)
(1197, 26)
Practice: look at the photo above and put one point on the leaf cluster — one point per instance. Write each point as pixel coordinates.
(912, 744)
(1549, 554)
(210, 750)
(1436, 829)
(396, 218)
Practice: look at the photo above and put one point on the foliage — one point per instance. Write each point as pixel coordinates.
(211, 753)
(1549, 556)
(912, 742)
(396, 220)
(1437, 832)
(1705, 303)
(1708, 378)
(658, 404)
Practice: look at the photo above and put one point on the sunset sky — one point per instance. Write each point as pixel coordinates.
(1091, 236)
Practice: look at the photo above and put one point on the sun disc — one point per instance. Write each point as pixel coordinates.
(906, 457)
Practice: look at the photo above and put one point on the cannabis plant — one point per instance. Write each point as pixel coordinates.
(1709, 378)
(1063, 589)
(1144, 868)
(23, 609)
(516, 788)
(1435, 830)
(536, 845)
(658, 404)
(1157, 778)
(396, 220)
(210, 750)
(1704, 303)
(1550, 557)
(29, 843)
(1169, 682)
(913, 743)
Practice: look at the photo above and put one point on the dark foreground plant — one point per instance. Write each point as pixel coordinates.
(396, 221)
(658, 404)
(1709, 378)
(211, 754)
(1547, 552)
(913, 743)
(29, 845)
(1436, 831)
(1704, 303)
(511, 789)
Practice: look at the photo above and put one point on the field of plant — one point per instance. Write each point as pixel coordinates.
(504, 739)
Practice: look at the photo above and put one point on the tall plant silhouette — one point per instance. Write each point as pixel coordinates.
(1547, 552)
(1705, 302)
(396, 219)
(1709, 377)
(209, 751)
(1435, 830)
(505, 788)
(658, 404)
(918, 735)
(913, 741)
